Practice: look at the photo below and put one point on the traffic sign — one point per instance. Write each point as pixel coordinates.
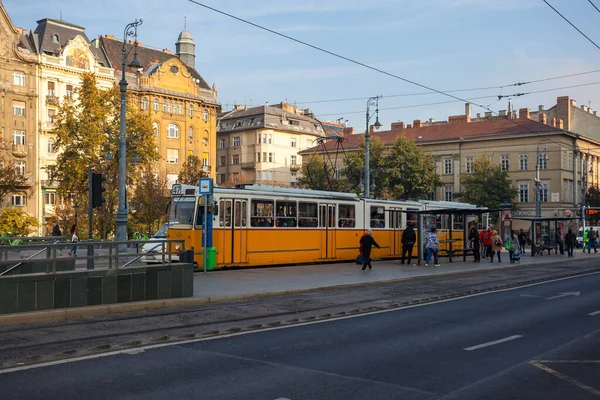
(206, 185)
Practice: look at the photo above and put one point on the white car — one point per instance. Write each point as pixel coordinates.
(153, 251)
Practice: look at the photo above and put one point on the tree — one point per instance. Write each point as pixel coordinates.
(409, 173)
(355, 167)
(149, 201)
(487, 185)
(86, 129)
(11, 180)
(315, 174)
(16, 222)
(592, 198)
(191, 171)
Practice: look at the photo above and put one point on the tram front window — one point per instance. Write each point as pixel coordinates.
(182, 212)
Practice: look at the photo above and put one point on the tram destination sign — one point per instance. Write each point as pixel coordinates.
(592, 211)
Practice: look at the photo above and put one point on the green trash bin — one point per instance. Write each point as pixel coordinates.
(211, 261)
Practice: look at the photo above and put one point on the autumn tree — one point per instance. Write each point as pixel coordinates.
(318, 175)
(408, 172)
(487, 185)
(87, 128)
(191, 171)
(149, 200)
(11, 180)
(16, 222)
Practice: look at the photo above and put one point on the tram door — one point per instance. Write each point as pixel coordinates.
(395, 231)
(327, 228)
(235, 214)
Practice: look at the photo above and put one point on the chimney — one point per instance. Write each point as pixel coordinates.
(348, 131)
(131, 42)
(408, 126)
(139, 44)
(524, 113)
(553, 123)
(563, 110)
(468, 111)
(431, 120)
(166, 51)
(502, 113)
(478, 115)
(417, 123)
(397, 125)
(488, 114)
(543, 119)
(457, 118)
(559, 124)
(540, 107)
(584, 107)
(110, 37)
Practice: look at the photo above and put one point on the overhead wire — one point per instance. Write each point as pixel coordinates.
(593, 5)
(573, 25)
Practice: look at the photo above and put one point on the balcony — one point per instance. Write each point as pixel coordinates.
(248, 165)
(49, 184)
(206, 168)
(52, 100)
(19, 150)
(295, 167)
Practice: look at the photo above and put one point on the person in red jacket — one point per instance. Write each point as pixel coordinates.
(487, 240)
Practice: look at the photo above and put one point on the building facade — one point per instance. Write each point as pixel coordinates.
(182, 106)
(18, 111)
(261, 144)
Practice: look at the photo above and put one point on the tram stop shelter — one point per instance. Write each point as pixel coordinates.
(450, 250)
(543, 231)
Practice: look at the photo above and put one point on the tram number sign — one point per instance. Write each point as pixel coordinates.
(592, 211)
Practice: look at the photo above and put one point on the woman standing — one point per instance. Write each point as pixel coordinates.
(432, 244)
(74, 240)
(474, 239)
(496, 245)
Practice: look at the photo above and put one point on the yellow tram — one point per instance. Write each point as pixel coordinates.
(257, 225)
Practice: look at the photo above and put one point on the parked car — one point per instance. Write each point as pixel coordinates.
(153, 251)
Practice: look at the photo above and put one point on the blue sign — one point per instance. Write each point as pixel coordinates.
(205, 185)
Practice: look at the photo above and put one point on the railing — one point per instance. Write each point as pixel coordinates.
(50, 256)
(52, 100)
(248, 165)
(295, 167)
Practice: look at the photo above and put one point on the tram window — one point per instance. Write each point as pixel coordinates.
(221, 216)
(244, 206)
(307, 215)
(347, 217)
(227, 212)
(199, 215)
(182, 211)
(261, 213)
(377, 217)
(286, 214)
(412, 219)
(395, 218)
(238, 214)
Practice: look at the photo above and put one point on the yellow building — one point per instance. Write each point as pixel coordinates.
(18, 112)
(182, 106)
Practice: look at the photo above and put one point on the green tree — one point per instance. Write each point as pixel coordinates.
(487, 185)
(191, 171)
(316, 175)
(16, 222)
(86, 129)
(149, 201)
(355, 168)
(11, 180)
(592, 198)
(409, 173)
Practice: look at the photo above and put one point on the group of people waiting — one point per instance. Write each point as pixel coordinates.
(487, 243)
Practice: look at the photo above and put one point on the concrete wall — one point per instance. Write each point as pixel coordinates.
(34, 292)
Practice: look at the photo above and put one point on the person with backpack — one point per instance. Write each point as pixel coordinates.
(409, 238)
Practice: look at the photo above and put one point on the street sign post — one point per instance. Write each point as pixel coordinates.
(205, 187)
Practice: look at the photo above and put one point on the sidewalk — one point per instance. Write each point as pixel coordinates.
(242, 283)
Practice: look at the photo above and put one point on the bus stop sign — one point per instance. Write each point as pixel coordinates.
(206, 186)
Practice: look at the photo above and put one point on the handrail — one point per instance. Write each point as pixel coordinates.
(28, 258)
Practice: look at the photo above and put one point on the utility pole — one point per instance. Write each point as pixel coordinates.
(373, 101)
(90, 247)
(584, 172)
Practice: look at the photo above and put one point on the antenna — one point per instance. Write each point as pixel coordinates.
(185, 22)
(61, 15)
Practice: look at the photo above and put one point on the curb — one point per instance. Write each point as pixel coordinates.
(66, 314)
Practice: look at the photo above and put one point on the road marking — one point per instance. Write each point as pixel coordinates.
(229, 335)
(565, 378)
(594, 313)
(530, 295)
(480, 346)
(564, 295)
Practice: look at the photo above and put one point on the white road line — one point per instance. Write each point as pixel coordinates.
(480, 346)
(594, 313)
(229, 335)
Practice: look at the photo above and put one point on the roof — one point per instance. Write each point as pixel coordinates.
(46, 30)
(332, 129)
(451, 131)
(185, 35)
(145, 55)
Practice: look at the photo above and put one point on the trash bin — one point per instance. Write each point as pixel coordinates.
(211, 261)
(186, 256)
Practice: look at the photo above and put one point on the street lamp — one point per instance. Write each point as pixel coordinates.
(538, 203)
(121, 219)
(373, 101)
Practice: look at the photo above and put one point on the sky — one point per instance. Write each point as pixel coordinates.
(442, 44)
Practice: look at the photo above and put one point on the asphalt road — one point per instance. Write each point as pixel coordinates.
(537, 342)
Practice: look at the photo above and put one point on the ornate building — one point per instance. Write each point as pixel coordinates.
(182, 106)
(18, 110)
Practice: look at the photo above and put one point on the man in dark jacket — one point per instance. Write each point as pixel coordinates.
(366, 243)
(408, 240)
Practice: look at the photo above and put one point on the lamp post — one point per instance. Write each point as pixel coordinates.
(373, 101)
(121, 219)
(538, 202)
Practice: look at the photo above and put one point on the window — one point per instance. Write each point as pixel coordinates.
(469, 165)
(543, 160)
(51, 146)
(448, 192)
(271, 157)
(155, 104)
(265, 156)
(172, 131)
(18, 200)
(565, 160)
(20, 167)
(191, 134)
(565, 190)
(346, 217)
(286, 214)
(50, 198)
(261, 213)
(164, 106)
(222, 161)
(523, 162)
(270, 139)
(293, 142)
(447, 166)
(257, 157)
(181, 108)
(55, 38)
(235, 159)
(155, 128)
(173, 156)
(523, 192)
(504, 162)
(570, 162)
(51, 171)
(19, 108)
(544, 192)
(51, 116)
(221, 143)
(205, 115)
(264, 138)
(170, 107)
(258, 138)
(191, 110)
(19, 79)
(222, 178)
(51, 89)
(377, 217)
(293, 160)
(144, 103)
(69, 94)
(18, 137)
(236, 141)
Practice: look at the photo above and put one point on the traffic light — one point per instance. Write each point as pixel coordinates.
(97, 189)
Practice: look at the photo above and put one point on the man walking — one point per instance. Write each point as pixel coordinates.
(366, 243)
(558, 238)
(571, 240)
(408, 240)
